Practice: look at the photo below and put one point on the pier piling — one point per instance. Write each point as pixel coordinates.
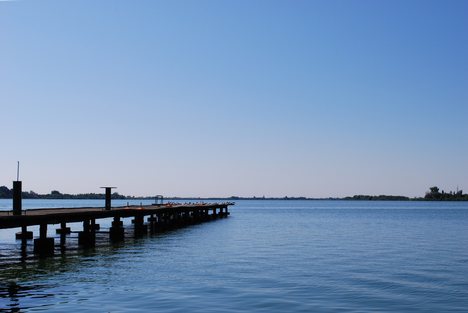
(140, 227)
(24, 234)
(116, 232)
(160, 218)
(43, 246)
(87, 238)
(63, 229)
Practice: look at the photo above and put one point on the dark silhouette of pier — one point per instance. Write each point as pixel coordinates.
(159, 218)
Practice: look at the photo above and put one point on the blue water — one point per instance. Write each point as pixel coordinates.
(268, 256)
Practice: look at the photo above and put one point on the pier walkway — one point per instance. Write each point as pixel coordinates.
(160, 218)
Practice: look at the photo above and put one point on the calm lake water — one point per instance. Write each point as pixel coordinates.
(268, 256)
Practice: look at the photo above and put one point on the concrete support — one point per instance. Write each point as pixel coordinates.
(180, 220)
(140, 227)
(152, 219)
(189, 218)
(201, 216)
(196, 217)
(158, 225)
(225, 212)
(163, 222)
(43, 246)
(63, 240)
(24, 244)
(63, 229)
(116, 232)
(87, 237)
(152, 223)
(24, 234)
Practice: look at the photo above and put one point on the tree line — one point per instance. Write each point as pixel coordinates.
(434, 194)
(6, 193)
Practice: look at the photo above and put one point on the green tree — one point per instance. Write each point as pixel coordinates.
(433, 194)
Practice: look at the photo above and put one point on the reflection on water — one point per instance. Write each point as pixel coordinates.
(23, 275)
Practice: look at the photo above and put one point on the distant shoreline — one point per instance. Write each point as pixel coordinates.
(372, 198)
(433, 195)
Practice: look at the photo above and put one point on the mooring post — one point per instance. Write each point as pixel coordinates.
(108, 197)
(43, 245)
(17, 198)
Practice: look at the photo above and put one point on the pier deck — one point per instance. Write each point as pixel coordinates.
(69, 215)
(161, 218)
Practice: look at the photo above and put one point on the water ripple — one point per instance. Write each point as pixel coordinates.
(269, 256)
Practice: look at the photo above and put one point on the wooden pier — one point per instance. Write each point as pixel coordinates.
(160, 218)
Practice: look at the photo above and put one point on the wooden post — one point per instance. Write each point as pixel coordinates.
(63, 229)
(24, 234)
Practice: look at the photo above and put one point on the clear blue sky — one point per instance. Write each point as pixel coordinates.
(221, 98)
